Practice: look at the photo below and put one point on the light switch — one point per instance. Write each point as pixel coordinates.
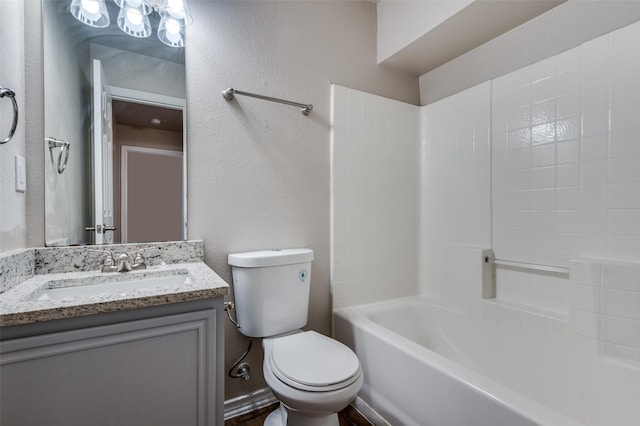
(21, 174)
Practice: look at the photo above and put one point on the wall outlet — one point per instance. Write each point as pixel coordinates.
(21, 174)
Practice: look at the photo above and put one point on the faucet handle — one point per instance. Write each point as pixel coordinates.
(109, 262)
(139, 257)
(109, 259)
(138, 261)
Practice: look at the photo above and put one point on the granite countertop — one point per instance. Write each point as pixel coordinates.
(20, 304)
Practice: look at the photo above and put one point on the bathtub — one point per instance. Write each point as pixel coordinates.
(415, 374)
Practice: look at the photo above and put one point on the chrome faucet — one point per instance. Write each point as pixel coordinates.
(124, 263)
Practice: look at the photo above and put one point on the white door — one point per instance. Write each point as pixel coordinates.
(102, 157)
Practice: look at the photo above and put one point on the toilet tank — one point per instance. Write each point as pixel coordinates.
(271, 290)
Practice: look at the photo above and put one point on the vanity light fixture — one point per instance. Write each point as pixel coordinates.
(90, 12)
(133, 18)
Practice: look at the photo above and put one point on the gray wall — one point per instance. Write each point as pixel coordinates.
(259, 172)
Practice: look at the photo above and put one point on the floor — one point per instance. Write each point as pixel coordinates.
(348, 417)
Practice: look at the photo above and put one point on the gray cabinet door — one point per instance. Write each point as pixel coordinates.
(158, 371)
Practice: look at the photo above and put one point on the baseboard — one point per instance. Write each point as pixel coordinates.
(261, 398)
(244, 404)
(369, 413)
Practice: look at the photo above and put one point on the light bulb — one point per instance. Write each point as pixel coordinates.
(134, 16)
(170, 32)
(133, 21)
(176, 4)
(173, 27)
(91, 6)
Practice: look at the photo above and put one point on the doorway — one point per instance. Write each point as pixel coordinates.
(148, 172)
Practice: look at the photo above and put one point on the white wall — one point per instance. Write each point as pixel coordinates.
(374, 203)
(402, 22)
(259, 172)
(12, 203)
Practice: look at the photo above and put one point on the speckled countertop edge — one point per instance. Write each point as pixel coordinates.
(17, 309)
(15, 267)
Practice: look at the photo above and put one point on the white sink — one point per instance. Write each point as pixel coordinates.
(118, 285)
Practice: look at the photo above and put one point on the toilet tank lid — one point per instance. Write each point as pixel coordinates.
(256, 259)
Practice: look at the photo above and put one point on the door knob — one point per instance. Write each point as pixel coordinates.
(100, 229)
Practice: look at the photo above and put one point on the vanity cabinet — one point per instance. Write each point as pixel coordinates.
(150, 366)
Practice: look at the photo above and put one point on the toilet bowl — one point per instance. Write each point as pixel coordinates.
(313, 377)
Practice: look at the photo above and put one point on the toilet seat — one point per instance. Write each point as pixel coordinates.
(312, 362)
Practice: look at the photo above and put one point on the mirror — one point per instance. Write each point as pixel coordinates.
(115, 108)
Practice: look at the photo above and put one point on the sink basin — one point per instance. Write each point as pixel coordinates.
(117, 285)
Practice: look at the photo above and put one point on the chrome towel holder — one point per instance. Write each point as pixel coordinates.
(4, 92)
(57, 143)
(230, 93)
(527, 265)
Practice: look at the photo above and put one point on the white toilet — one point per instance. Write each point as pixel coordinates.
(313, 376)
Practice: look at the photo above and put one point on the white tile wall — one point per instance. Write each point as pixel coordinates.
(605, 305)
(455, 188)
(374, 198)
(566, 163)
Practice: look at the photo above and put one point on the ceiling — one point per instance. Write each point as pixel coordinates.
(476, 24)
(140, 115)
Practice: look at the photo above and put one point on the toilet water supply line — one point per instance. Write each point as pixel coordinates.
(238, 370)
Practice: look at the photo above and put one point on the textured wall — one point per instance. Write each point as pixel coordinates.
(12, 204)
(259, 172)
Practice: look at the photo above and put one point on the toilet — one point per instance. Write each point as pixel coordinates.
(313, 376)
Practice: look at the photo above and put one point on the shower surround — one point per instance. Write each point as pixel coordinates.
(541, 165)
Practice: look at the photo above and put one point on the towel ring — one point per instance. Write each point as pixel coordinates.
(56, 143)
(11, 95)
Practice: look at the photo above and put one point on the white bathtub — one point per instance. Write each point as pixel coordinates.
(414, 374)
